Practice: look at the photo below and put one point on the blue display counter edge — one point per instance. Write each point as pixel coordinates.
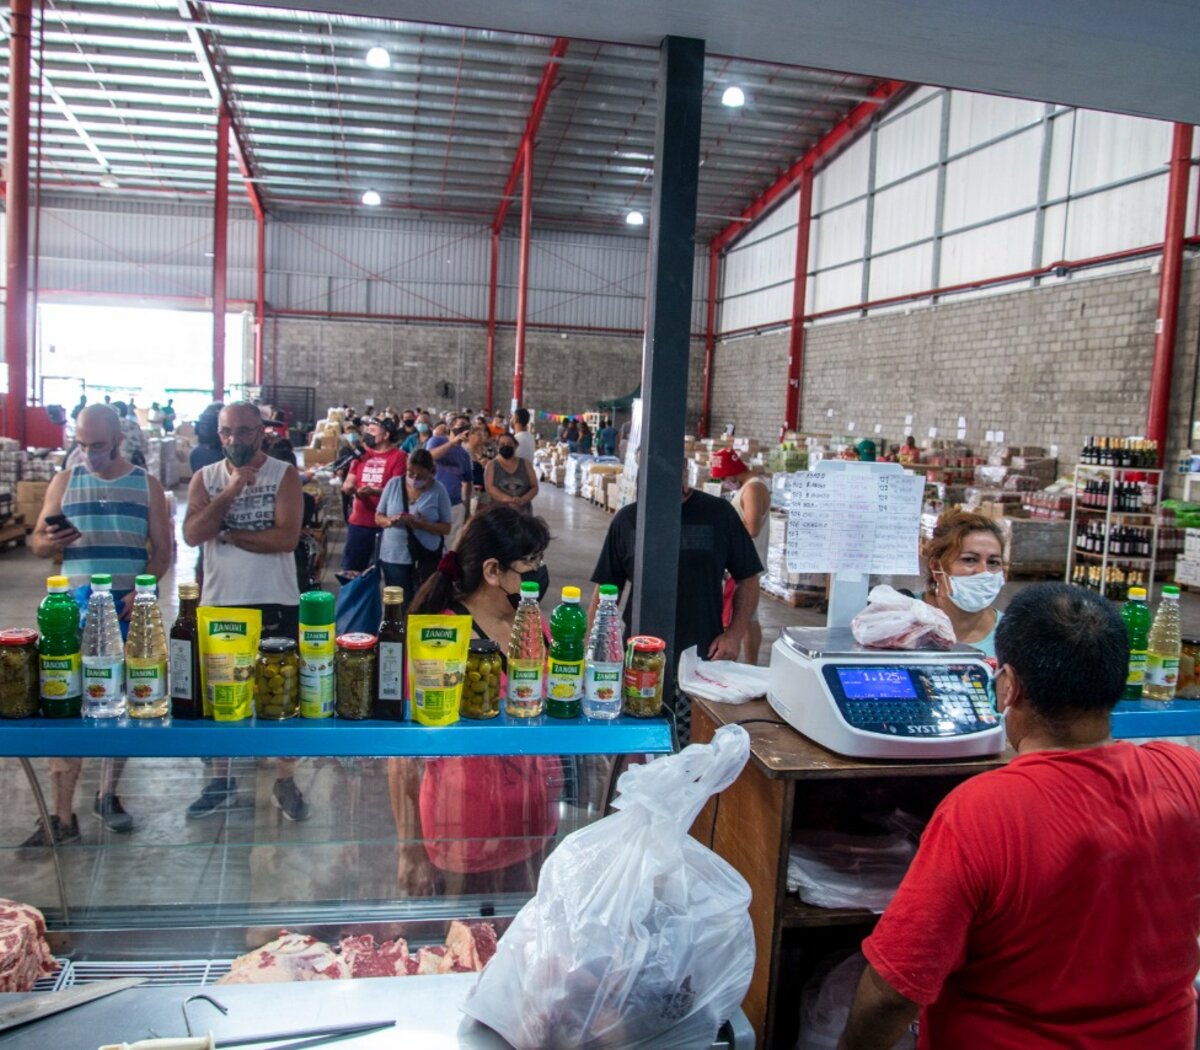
(1144, 719)
(304, 737)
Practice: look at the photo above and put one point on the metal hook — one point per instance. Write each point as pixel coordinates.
(187, 1022)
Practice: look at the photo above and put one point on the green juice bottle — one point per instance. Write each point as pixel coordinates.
(568, 636)
(1136, 614)
(59, 657)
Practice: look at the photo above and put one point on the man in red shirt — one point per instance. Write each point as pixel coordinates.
(366, 479)
(1054, 902)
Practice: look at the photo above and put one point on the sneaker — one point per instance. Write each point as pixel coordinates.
(218, 794)
(59, 835)
(288, 799)
(108, 809)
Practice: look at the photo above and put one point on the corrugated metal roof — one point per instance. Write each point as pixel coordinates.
(124, 93)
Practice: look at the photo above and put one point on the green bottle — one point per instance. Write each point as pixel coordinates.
(1136, 614)
(564, 678)
(59, 658)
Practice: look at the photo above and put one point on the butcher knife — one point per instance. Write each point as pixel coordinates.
(50, 1003)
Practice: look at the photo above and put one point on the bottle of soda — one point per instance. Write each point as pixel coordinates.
(184, 645)
(605, 659)
(389, 701)
(103, 654)
(1136, 614)
(564, 677)
(1163, 649)
(59, 663)
(526, 657)
(146, 655)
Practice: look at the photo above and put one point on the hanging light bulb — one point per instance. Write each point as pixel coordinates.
(734, 96)
(378, 58)
(371, 199)
(635, 218)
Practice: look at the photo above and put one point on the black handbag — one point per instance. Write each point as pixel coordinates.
(424, 560)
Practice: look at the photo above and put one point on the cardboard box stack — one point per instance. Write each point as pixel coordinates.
(30, 496)
(1187, 566)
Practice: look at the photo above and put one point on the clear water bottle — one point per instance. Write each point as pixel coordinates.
(605, 659)
(146, 656)
(526, 658)
(103, 654)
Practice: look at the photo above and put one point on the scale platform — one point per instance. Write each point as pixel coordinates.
(884, 703)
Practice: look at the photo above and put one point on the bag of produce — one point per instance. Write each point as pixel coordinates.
(637, 932)
(228, 653)
(892, 620)
(437, 665)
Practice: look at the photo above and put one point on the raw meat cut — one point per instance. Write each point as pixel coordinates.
(435, 960)
(471, 943)
(24, 954)
(390, 959)
(290, 957)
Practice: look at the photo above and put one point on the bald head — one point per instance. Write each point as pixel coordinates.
(102, 418)
(98, 434)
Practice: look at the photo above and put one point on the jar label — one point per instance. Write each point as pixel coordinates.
(1162, 671)
(146, 680)
(565, 680)
(602, 682)
(1137, 667)
(103, 679)
(391, 670)
(181, 669)
(641, 685)
(61, 676)
(525, 680)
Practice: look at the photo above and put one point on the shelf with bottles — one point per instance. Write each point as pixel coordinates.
(1121, 542)
(1112, 581)
(1119, 497)
(1120, 453)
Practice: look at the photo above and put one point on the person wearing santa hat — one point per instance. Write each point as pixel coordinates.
(752, 501)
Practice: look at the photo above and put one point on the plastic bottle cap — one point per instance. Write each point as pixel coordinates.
(1137, 594)
(570, 594)
(316, 607)
(609, 590)
(530, 587)
(393, 595)
(145, 583)
(57, 584)
(102, 581)
(1169, 591)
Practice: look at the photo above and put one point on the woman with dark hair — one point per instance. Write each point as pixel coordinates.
(414, 509)
(208, 444)
(508, 479)
(480, 824)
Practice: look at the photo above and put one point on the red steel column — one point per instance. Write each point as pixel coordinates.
(16, 202)
(220, 235)
(710, 338)
(799, 301)
(1168, 289)
(260, 301)
(523, 277)
(493, 279)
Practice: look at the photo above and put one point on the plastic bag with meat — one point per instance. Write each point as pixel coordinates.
(892, 620)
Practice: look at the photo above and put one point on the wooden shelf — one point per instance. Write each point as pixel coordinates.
(1124, 559)
(797, 914)
(1149, 516)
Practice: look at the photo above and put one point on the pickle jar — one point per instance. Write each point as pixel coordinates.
(642, 683)
(277, 679)
(18, 673)
(354, 671)
(1188, 686)
(481, 688)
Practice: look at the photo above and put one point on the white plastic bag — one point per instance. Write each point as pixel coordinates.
(833, 869)
(892, 620)
(725, 681)
(638, 936)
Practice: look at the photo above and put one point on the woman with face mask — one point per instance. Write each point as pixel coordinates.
(414, 509)
(966, 573)
(508, 479)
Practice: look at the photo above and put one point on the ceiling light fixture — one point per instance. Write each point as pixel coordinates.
(108, 181)
(635, 218)
(734, 96)
(371, 199)
(378, 58)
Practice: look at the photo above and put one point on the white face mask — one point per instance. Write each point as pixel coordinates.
(975, 593)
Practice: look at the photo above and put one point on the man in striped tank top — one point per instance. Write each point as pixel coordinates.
(117, 524)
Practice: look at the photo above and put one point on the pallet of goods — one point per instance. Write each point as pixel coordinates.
(793, 588)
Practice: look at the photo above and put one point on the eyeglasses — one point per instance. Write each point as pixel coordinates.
(534, 561)
(241, 433)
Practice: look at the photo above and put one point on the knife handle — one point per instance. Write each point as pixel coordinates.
(196, 1042)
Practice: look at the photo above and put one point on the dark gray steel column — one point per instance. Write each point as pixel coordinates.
(668, 337)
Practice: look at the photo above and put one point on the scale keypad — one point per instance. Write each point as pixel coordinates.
(950, 700)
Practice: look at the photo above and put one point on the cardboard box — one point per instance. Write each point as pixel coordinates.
(315, 457)
(32, 492)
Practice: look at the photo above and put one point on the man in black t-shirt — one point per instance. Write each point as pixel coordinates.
(712, 541)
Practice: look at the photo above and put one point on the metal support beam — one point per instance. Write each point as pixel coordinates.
(16, 203)
(668, 338)
(260, 293)
(493, 279)
(518, 387)
(1170, 275)
(799, 302)
(220, 238)
(710, 339)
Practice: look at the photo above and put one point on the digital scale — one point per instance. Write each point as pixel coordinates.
(880, 703)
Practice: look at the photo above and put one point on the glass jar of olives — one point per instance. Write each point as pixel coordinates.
(481, 688)
(642, 686)
(354, 673)
(277, 679)
(18, 673)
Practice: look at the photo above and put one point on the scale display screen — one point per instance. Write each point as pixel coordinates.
(876, 683)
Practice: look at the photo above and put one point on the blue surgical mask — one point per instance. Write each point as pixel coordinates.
(419, 483)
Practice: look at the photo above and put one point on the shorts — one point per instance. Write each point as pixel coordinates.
(360, 547)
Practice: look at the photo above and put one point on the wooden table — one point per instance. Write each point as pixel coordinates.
(751, 825)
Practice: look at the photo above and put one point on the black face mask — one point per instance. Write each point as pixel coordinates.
(240, 455)
(540, 576)
(506, 451)
(370, 440)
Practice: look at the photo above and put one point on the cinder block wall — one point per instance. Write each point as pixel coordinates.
(1048, 366)
(404, 364)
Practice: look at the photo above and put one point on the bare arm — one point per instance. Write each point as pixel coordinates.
(756, 508)
(533, 482)
(47, 540)
(283, 536)
(467, 491)
(745, 601)
(161, 547)
(879, 1015)
(489, 483)
(442, 449)
(441, 528)
(205, 516)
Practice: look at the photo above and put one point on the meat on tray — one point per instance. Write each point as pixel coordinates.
(24, 954)
(299, 957)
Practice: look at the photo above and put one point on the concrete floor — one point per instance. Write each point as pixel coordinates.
(345, 852)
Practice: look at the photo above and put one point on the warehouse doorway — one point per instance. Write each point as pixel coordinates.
(151, 354)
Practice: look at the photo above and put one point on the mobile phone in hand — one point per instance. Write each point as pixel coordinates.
(59, 521)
